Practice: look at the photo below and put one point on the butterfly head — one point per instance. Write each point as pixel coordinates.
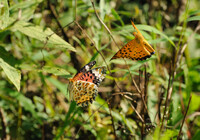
(71, 80)
(138, 35)
(135, 34)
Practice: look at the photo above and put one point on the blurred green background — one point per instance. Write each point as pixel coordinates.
(41, 47)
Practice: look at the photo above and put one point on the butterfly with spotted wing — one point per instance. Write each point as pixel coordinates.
(83, 87)
(136, 49)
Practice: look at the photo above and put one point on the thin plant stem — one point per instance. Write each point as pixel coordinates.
(3, 125)
(109, 106)
(179, 135)
(166, 100)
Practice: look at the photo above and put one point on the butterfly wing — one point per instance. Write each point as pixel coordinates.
(85, 88)
(133, 50)
(95, 75)
(83, 92)
(148, 47)
(136, 49)
(144, 42)
(84, 69)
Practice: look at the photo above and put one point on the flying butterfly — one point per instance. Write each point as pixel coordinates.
(136, 49)
(83, 87)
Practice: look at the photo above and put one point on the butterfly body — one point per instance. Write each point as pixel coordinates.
(136, 49)
(83, 87)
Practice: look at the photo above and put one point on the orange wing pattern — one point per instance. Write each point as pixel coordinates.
(136, 49)
(83, 87)
(83, 92)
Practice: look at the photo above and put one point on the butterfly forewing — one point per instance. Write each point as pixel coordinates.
(132, 50)
(95, 75)
(136, 49)
(84, 69)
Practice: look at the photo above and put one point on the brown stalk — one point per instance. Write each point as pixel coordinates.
(4, 136)
(72, 54)
(179, 135)
(109, 106)
(54, 13)
(141, 119)
(166, 100)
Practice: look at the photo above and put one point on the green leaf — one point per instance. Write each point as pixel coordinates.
(68, 119)
(152, 29)
(196, 135)
(193, 18)
(169, 134)
(4, 14)
(116, 15)
(102, 9)
(25, 102)
(27, 9)
(194, 12)
(8, 57)
(45, 35)
(62, 87)
(54, 70)
(195, 102)
(13, 74)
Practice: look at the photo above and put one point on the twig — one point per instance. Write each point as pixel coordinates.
(194, 115)
(57, 21)
(3, 124)
(141, 119)
(109, 106)
(184, 118)
(132, 79)
(160, 97)
(72, 54)
(166, 100)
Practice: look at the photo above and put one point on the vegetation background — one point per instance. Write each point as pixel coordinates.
(43, 43)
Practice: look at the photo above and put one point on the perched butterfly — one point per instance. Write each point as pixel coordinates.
(136, 49)
(83, 87)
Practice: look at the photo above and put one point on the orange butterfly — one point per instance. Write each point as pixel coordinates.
(136, 49)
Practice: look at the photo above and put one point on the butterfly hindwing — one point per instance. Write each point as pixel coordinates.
(148, 47)
(84, 92)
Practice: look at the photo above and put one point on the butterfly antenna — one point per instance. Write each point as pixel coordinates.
(135, 26)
